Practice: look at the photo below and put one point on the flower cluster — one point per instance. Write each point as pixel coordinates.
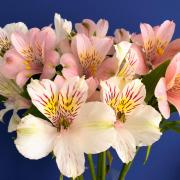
(86, 91)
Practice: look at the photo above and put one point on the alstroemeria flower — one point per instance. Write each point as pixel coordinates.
(130, 60)
(33, 53)
(90, 28)
(121, 35)
(155, 42)
(75, 127)
(168, 88)
(63, 29)
(5, 35)
(137, 124)
(15, 102)
(89, 59)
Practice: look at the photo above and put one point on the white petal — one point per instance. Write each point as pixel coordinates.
(94, 127)
(121, 50)
(143, 123)
(35, 137)
(44, 95)
(14, 27)
(14, 121)
(125, 145)
(69, 157)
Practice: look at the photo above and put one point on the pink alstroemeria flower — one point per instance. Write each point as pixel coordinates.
(90, 28)
(156, 42)
(33, 53)
(168, 88)
(89, 59)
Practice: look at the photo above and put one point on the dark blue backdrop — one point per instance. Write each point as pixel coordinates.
(164, 161)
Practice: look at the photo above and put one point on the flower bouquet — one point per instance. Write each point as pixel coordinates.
(84, 91)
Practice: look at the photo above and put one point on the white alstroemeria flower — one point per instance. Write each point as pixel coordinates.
(75, 127)
(5, 35)
(131, 61)
(15, 102)
(63, 27)
(137, 124)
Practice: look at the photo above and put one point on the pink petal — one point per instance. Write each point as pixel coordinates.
(50, 63)
(172, 49)
(166, 31)
(49, 37)
(161, 94)
(71, 66)
(148, 36)
(175, 100)
(94, 97)
(137, 38)
(137, 56)
(121, 35)
(92, 86)
(83, 43)
(12, 64)
(102, 45)
(173, 69)
(102, 28)
(59, 81)
(23, 76)
(81, 29)
(65, 46)
(20, 42)
(108, 68)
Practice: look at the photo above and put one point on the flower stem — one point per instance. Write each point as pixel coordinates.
(61, 177)
(101, 174)
(126, 168)
(124, 171)
(91, 166)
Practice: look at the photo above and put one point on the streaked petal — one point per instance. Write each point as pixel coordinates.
(35, 137)
(44, 95)
(102, 28)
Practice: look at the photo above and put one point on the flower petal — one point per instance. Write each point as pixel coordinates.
(102, 28)
(71, 66)
(161, 95)
(44, 95)
(94, 126)
(69, 157)
(125, 145)
(35, 137)
(144, 125)
(132, 96)
(107, 69)
(14, 121)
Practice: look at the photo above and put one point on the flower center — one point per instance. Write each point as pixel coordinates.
(5, 45)
(90, 60)
(175, 89)
(121, 117)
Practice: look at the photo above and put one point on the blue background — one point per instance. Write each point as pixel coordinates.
(164, 161)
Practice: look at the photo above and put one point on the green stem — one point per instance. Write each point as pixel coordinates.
(99, 166)
(91, 166)
(61, 177)
(101, 173)
(126, 168)
(80, 177)
(124, 171)
(104, 165)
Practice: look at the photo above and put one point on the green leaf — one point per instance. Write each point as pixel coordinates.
(170, 125)
(2, 98)
(147, 154)
(150, 80)
(34, 111)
